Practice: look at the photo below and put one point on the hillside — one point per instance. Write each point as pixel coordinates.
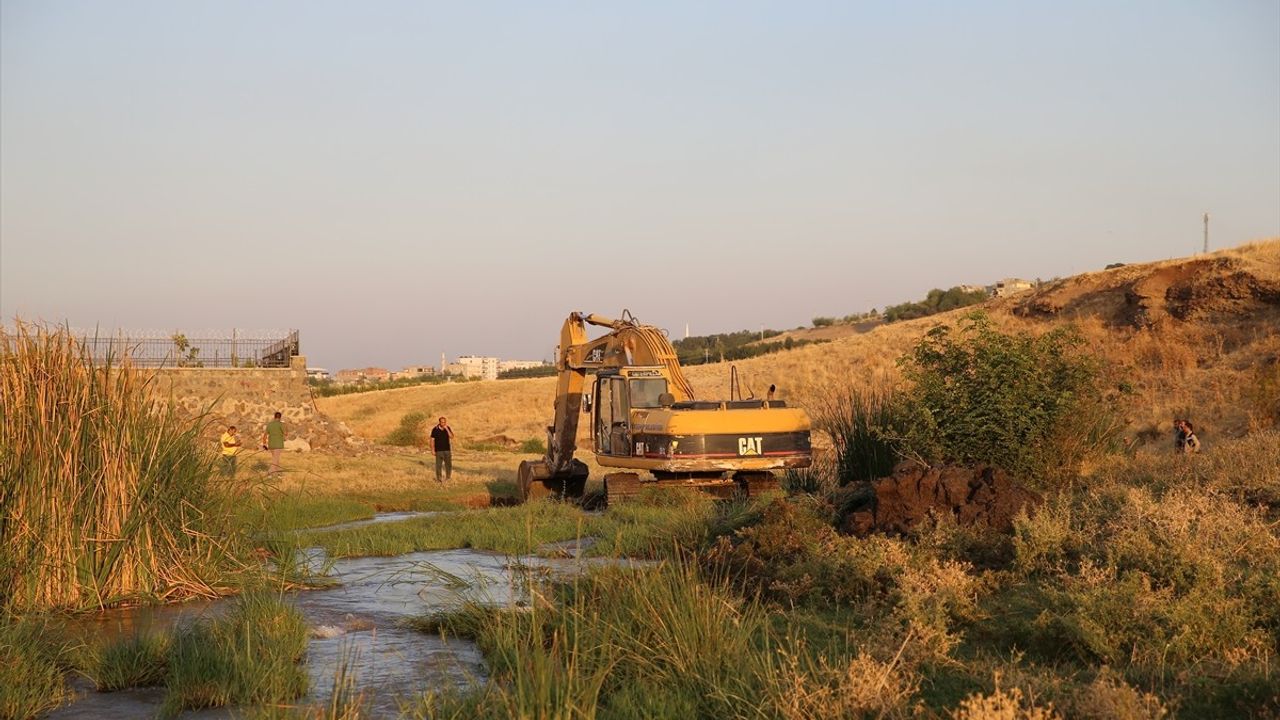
(1192, 335)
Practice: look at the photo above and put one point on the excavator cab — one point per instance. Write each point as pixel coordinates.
(617, 392)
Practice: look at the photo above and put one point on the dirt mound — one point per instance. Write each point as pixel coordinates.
(970, 495)
(1153, 295)
(504, 441)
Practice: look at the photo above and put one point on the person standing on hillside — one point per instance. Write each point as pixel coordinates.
(230, 449)
(1191, 443)
(1179, 436)
(273, 440)
(442, 448)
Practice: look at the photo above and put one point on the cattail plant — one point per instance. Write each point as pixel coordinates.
(107, 494)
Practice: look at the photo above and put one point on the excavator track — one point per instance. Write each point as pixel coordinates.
(755, 484)
(621, 487)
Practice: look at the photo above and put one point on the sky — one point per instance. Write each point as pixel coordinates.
(401, 179)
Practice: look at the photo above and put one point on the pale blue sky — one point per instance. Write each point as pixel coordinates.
(398, 179)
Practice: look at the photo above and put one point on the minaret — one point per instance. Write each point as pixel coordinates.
(441, 362)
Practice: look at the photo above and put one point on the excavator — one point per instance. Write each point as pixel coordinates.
(647, 427)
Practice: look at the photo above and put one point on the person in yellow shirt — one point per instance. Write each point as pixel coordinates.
(230, 449)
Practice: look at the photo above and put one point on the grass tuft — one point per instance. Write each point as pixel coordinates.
(252, 655)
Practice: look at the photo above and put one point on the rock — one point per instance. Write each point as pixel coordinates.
(297, 445)
(326, 631)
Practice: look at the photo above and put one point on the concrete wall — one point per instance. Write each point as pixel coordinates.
(247, 398)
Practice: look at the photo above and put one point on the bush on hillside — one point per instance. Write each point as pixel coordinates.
(935, 302)
(409, 433)
(1033, 405)
(823, 322)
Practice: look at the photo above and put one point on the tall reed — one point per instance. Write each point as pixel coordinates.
(107, 494)
(866, 428)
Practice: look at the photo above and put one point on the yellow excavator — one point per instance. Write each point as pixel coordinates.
(649, 429)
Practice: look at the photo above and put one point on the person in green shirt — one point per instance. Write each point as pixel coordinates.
(273, 440)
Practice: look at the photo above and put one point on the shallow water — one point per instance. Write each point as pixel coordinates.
(379, 519)
(363, 618)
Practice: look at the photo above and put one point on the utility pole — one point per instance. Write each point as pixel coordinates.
(1206, 233)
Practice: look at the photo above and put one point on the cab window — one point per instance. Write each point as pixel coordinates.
(646, 392)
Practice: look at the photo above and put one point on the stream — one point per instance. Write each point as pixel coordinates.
(392, 664)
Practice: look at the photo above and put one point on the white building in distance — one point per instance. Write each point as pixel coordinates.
(485, 368)
(506, 365)
(1011, 286)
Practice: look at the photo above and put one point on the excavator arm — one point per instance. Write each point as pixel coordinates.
(627, 343)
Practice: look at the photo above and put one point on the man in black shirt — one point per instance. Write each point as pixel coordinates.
(441, 447)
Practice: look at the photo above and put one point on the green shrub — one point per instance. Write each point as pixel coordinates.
(935, 302)
(823, 322)
(1034, 406)
(533, 446)
(794, 557)
(532, 372)
(410, 433)
(1157, 584)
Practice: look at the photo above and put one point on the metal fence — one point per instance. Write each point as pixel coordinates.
(173, 348)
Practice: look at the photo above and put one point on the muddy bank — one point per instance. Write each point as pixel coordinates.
(983, 495)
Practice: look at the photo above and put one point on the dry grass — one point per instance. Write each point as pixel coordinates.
(392, 472)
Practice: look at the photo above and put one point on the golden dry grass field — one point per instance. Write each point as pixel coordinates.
(1191, 335)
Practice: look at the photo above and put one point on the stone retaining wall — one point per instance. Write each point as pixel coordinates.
(248, 397)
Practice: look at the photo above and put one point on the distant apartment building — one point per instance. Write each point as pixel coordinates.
(973, 289)
(369, 374)
(506, 365)
(1011, 286)
(317, 374)
(476, 366)
(413, 371)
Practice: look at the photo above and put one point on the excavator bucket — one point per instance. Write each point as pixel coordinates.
(536, 482)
